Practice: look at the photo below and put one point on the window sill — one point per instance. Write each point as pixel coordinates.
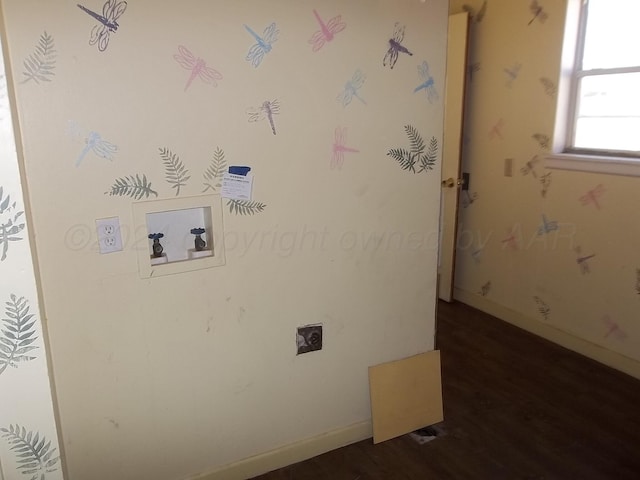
(594, 164)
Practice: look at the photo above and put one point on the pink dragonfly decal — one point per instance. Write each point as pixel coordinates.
(267, 110)
(613, 329)
(197, 66)
(592, 196)
(327, 31)
(496, 130)
(339, 148)
(511, 241)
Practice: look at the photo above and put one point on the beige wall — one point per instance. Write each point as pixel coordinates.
(167, 377)
(26, 407)
(539, 284)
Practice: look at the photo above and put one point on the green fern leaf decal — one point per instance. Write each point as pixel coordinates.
(18, 334)
(39, 65)
(543, 308)
(428, 160)
(245, 207)
(10, 228)
(214, 172)
(34, 455)
(406, 160)
(175, 172)
(130, 186)
(417, 144)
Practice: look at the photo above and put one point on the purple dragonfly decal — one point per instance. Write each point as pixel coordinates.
(428, 85)
(538, 12)
(263, 44)
(197, 66)
(583, 260)
(339, 148)
(351, 89)
(267, 110)
(111, 11)
(327, 31)
(395, 46)
(530, 167)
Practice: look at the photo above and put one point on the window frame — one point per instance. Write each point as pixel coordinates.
(564, 155)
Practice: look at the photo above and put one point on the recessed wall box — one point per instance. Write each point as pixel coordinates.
(175, 219)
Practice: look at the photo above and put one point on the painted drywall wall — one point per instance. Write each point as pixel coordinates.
(28, 435)
(168, 377)
(553, 248)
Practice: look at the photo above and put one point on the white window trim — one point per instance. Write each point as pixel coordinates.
(559, 159)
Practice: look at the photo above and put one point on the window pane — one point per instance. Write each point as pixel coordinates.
(612, 37)
(608, 112)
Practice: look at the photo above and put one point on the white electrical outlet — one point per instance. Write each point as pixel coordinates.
(109, 237)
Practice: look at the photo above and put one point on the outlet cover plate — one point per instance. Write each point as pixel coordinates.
(309, 338)
(109, 237)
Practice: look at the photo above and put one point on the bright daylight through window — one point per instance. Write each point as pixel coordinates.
(606, 82)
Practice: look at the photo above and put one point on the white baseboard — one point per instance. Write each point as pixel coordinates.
(290, 454)
(567, 340)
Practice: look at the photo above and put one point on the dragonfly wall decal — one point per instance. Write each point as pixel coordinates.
(496, 130)
(111, 11)
(512, 73)
(327, 31)
(263, 44)
(351, 89)
(530, 167)
(395, 47)
(538, 12)
(592, 196)
(428, 84)
(267, 110)
(473, 68)
(547, 226)
(197, 66)
(511, 241)
(583, 260)
(613, 329)
(339, 148)
(93, 143)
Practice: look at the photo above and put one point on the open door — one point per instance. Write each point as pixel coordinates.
(452, 149)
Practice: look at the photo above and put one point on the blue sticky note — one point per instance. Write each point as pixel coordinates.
(239, 170)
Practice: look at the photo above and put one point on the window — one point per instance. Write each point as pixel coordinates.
(606, 81)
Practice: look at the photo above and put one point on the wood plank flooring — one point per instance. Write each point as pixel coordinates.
(516, 407)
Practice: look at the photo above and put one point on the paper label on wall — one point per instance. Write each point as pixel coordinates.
(236, 187)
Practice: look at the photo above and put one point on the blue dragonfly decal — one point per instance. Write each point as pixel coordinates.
(108, 22)
(351, 89)
(428, 83)
(93, 143)
(395, 47)
(547, 225)
(263, 43)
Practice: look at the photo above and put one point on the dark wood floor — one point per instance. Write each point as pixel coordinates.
(516, 407)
